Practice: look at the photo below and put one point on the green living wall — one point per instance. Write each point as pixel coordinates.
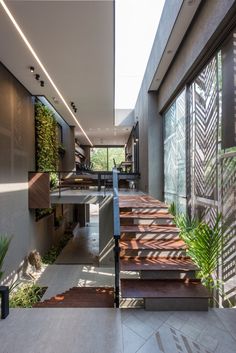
(47, 157)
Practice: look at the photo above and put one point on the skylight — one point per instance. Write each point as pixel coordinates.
(136, 26)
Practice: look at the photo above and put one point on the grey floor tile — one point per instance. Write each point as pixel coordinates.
(175, 322)
(61, 331)
(131, 341)
(190, 330)
(150, 346)
(142, 329)
(228, 319)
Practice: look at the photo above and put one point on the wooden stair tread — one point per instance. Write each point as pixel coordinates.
(149, 236)
(139, 215)
(140, 288)
(142, 205)
(136, 263)
(139, 228)
(81, 297)
(166, 244)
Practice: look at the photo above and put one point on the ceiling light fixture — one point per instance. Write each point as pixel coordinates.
(19, 30)
(37, 76)
(42, 83)
(31, 69)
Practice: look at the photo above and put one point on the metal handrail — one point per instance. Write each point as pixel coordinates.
(116, 232)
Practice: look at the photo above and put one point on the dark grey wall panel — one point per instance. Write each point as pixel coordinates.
(17, 150)
(228, 93)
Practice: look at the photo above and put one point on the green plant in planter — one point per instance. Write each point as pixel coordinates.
(26, 296)
(4, 246)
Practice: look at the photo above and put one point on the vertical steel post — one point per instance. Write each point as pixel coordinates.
(4, 292)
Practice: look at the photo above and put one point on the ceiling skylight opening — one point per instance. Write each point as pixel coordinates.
(29, 46)
(136, 25)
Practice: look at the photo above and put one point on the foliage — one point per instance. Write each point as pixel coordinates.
(102, 157)
(185, 224)
(4, 246)
(50, 257)
(42, 212)
(172, 209)
(54, 180)
(26, 296)
(47, 158)
(204, 245)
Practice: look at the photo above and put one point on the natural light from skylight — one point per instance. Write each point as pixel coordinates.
(136, 26)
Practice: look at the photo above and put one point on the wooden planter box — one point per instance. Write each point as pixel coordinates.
(39, 190)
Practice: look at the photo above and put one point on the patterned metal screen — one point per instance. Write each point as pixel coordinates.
(212, 170)
(175, 153)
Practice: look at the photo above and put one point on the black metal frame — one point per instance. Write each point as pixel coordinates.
(4, 292)
(116, 231)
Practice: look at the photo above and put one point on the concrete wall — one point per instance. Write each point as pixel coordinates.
(201, 38)
(17, 150)
(146, 110)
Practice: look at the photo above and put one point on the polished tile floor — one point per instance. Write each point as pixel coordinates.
(83, 248)
(118, 331)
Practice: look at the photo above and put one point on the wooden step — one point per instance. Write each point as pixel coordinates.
(143, 288)
(149, 229)
(142, 205)
(145, 215)
(136, 244)
(156, 264)
(137, 228)
(174, 295)
(84, 297)
(143, 248)
(146, 218)
(150, 236)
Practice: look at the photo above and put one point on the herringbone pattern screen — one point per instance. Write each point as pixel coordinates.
(212, 171)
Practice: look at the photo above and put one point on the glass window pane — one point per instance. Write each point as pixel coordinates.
(98, 158)
(115, 154)
(175, 153)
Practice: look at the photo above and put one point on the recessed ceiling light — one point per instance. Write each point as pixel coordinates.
(29, 46)
(55, 100)
(42, 83)
(31, 69)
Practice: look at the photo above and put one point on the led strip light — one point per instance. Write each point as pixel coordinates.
(42, 66)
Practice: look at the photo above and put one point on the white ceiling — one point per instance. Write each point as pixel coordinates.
(75, 42)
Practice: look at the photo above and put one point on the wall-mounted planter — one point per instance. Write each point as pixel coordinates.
(39, 190)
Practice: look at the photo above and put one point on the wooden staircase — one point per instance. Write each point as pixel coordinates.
(150, 245)
(81, 297)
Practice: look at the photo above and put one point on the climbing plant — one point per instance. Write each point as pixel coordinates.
(47, 157)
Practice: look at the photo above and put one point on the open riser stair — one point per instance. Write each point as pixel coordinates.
(150, 245)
